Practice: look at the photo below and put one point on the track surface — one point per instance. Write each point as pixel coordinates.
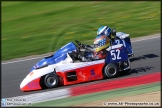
(146, 60)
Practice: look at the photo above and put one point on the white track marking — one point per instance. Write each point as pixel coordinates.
(42, 57)
(146, 39)
(22, 60)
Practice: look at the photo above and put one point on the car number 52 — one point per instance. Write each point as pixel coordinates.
(115, 55)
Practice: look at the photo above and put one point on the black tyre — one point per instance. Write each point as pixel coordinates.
(127, 71)
(111, 70)
(51, 80)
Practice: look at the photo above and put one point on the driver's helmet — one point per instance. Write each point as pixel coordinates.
(101, 42)
(104, 30)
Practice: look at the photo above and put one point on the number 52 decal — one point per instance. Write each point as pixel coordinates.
(115, 56)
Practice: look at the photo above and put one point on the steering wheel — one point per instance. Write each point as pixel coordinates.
(81, 45)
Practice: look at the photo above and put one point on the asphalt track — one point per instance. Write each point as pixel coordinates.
(146, 60)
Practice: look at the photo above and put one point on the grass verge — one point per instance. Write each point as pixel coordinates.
(31, 28)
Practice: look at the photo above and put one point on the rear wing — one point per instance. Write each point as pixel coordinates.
(122, 35)
(124, 39)
(116, 53)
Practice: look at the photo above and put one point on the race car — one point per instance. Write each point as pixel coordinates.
(61, 69)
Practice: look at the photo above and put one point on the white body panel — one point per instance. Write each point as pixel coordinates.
(37, 73)
(70, 66)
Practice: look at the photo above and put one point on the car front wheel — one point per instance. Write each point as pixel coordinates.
(51, 80)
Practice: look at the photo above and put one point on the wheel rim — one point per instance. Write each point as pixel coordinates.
(51, 81)
(111, 71)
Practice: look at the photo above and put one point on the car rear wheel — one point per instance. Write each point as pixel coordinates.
(51, 80)
(111, 70)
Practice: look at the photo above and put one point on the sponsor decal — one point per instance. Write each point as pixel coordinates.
(37, 65)
(33, 84)
(31, 73)
(82, 75)
(92, 72)
(59, 57)
(34, 67)
(93, 75)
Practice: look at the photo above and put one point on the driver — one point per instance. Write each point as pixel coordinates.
(101, 42)
(105, 30)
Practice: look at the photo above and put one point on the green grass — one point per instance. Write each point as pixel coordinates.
(30, 28)
(134, 90)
